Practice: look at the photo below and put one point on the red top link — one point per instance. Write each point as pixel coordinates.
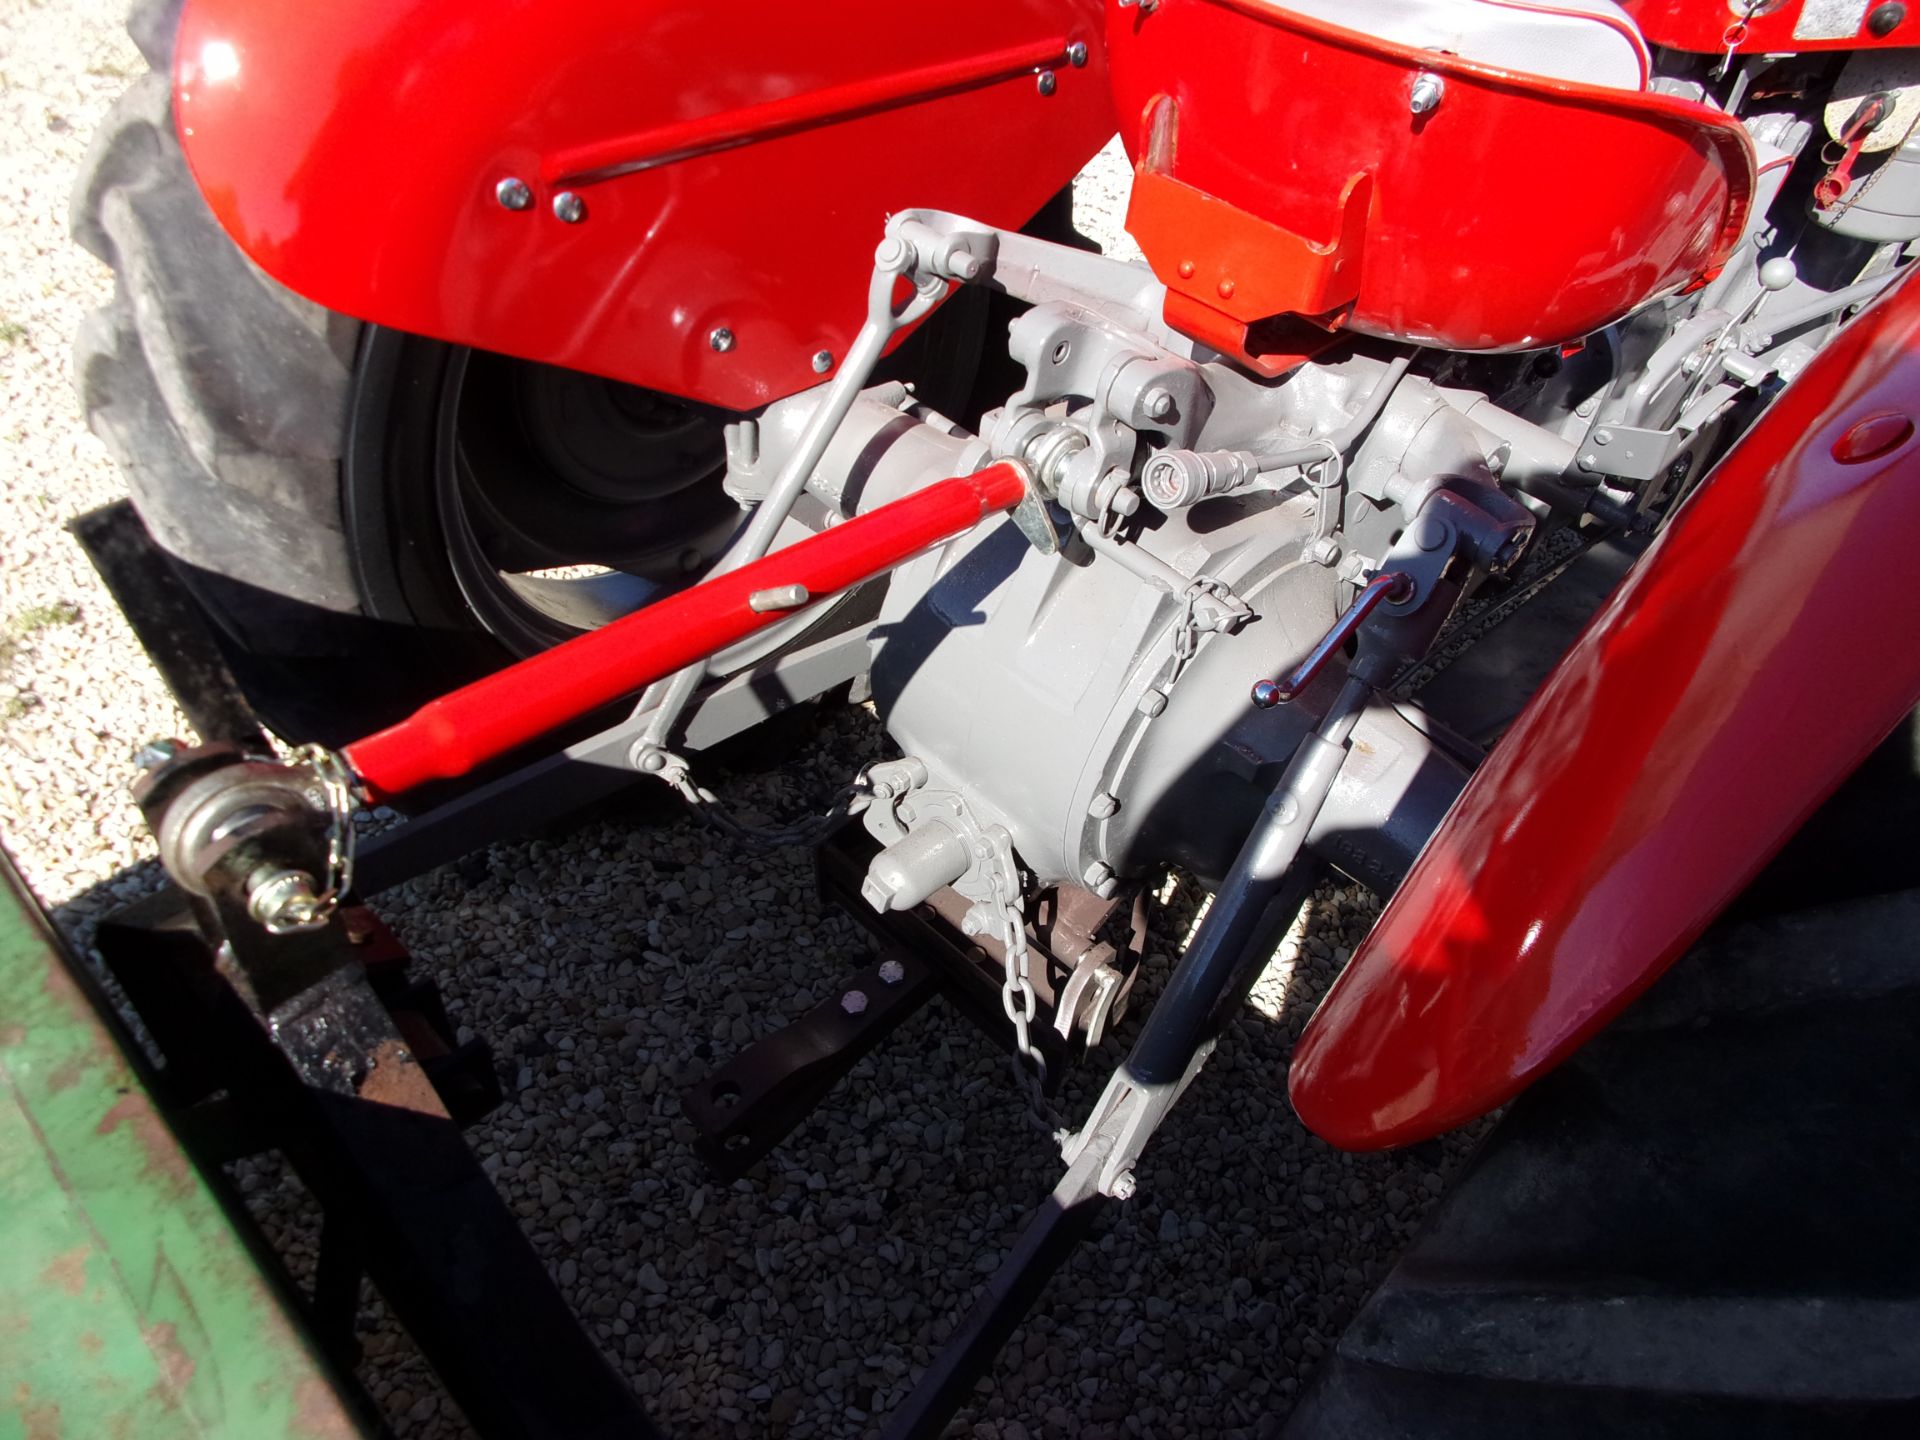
(483, 721)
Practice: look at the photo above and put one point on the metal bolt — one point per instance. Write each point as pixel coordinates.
(1584, 408)
(1603, 437)
(721, 339)
(513, 193)
(1123, 1186)
(1157, 403)
(854, 1001)
(822, 361)
(1104, 804)
(1098, 874)
(892, 972)
(1589, 461)
(155, 753)
(284, 902)
(1324, 552)
(1048, 83)
(569, 207)
(1077, 54)
(1152, 703)
(1428, 91)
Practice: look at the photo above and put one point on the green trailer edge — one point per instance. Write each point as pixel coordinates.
(133, 1304)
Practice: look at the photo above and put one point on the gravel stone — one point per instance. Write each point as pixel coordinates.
(606, 974)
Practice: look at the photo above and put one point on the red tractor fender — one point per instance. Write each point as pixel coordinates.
(1767, 641)
(704, 184)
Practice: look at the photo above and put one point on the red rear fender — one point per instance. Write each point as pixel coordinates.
(735, 163)
(1761, 648)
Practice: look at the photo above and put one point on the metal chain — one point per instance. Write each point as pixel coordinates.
(336, 788)
(1186, 638)
(854, 797)
(1017, 998)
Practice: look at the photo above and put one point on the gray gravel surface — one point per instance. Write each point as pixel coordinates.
(611, 965)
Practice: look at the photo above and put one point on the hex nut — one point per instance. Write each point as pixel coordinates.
(892, 972)
(854, 1001)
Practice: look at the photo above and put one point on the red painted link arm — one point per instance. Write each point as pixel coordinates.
(482, 721)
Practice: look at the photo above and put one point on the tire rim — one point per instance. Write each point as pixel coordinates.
(534, 502)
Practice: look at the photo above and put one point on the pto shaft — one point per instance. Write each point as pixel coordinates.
(480, 722)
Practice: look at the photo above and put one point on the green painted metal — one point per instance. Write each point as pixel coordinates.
(129, 1304)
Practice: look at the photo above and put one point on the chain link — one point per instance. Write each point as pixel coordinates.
(1186, 638)
(1018, 999)
(336, 788)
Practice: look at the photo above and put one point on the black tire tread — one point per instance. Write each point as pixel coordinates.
(221, 394)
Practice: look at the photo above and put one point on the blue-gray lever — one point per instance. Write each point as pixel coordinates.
(1390, 586)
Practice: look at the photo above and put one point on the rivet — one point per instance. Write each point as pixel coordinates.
(569, 207)
(1186, 269)
(513, 194)
(721, 339)
(822, 361)
(1226, 289)
(1077, 54)
(1048, 83)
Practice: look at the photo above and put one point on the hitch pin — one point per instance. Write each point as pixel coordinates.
(1392, 586)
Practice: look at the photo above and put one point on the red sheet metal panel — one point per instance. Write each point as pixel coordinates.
(734, 164)
(1762, 647)
(1518, 212)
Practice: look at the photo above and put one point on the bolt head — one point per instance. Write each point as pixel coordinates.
(513, 193)
(1603, 437)
(1124, 1186)
(822, 361)
(1152, 703)
(1428, 91)
(1077, 54)
(1589, 461)
(720, 339)
(1098, 874)
(1103, 805)
(1266, 694)
(1048, 82)
(892, 972)
(854, 1002)
(569, 207)
(1158, 403)
(1324, 552)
